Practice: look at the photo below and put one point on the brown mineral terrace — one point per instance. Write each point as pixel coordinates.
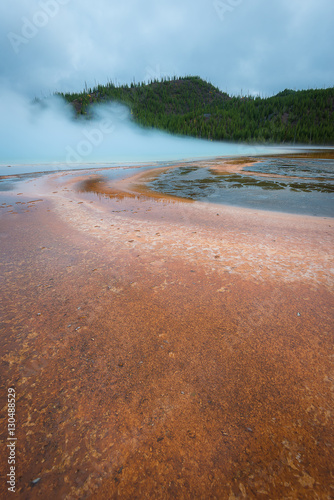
(164, 349)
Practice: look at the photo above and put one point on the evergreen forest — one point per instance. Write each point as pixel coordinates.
(191, 106)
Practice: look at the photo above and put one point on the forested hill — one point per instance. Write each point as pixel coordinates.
(194, 107)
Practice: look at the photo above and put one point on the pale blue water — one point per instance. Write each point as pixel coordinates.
(165, 149)
(304, 186)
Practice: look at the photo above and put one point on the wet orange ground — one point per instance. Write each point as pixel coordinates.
(162, 349)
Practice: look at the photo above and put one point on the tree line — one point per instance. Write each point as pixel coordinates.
(191, 106)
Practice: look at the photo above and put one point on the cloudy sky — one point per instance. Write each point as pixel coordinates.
(255, 46)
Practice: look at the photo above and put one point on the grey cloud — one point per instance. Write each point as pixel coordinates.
(252, 45)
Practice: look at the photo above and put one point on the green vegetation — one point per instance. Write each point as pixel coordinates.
(191, 106)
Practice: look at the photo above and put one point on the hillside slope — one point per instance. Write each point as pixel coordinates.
(194, 107)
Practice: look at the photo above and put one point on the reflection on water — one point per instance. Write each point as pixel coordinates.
(11, 183)
(295, 185)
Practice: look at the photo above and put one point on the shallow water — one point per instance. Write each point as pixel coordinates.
(301, 185)
(109, 174)
(312, 168)
(293, 185)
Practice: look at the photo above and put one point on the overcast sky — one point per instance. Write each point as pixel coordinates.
(257, 46)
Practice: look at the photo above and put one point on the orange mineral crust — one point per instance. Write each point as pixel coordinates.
(162, 349)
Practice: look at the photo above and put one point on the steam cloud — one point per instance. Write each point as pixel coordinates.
(48, 133)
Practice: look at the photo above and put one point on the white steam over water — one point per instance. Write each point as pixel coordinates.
(46, 136)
